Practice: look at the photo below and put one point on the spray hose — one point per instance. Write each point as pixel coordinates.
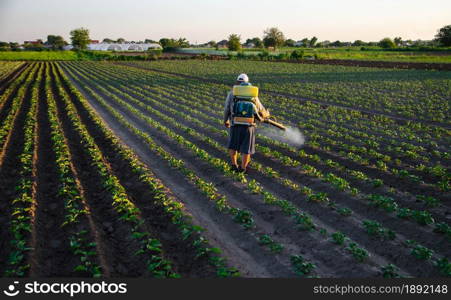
(274, 123)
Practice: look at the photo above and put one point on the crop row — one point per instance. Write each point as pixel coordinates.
(75, 218)
(173, 208)
(22, 205)
(396, 159)
(349, 119)
(423, 217)
(253, 183)
(417, 217)
(201, 103)
(409, 93)
(7, 67)
(240, 216)
(150, 248)
(8, 122)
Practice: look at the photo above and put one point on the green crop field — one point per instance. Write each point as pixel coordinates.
(419, 94)
(378, 55)
(38, 55)
(353, 53)
(120, 169)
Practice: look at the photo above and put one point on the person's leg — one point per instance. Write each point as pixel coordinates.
(245, 160)
(247, 147)
(233, 147)
(234, 157)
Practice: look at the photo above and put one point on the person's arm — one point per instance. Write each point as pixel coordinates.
(227, 111)
(261, 110)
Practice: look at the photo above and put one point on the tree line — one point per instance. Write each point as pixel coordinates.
(272, 38)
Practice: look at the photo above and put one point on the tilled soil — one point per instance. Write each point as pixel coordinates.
(269, 216)
(6, 104)
(10, 175)
(5, 82)
(180, 251)
(394, 251)
(117, 245)
(241, 250)
(51, 256)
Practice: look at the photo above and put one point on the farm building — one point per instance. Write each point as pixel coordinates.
(123, 47)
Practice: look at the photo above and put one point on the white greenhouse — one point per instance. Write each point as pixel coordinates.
(123, 47)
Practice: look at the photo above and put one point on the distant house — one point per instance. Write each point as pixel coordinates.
(299, 44)
(36, 42)
(223, 44)
(94, 41)
(249, 45)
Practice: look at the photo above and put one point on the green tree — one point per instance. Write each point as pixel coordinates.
(182, 43)
(120, 40)
(234, 42)
(107, 40)
(444, 36)
(4, 46)
(305, 42)
(273, 37)
(387, 43)
(290, 42)
(397, 41)
(14, 46)
(80, 38)
(56, 41)
(359, 43)
(257, 42)
(165, 42)
(337, 43)
(313, 41)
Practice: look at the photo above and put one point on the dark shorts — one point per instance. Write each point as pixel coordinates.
(242, 139)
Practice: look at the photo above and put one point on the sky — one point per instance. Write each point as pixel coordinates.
(201, 21)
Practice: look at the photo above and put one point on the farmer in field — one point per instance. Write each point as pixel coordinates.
(240, 114)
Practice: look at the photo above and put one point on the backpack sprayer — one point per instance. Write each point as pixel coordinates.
(244, 109)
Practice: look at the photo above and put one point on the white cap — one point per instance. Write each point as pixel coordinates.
(243, 77)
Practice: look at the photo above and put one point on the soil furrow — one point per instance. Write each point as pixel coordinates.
(425, 176)
(181, 252)
(404, 227)
(341, 125)
(52, 256)
(241, 249)
(268, 214)
(6, 105)
(10, 173)
(6, 82)
(324, 215)
(442, 214)
(115, 235)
